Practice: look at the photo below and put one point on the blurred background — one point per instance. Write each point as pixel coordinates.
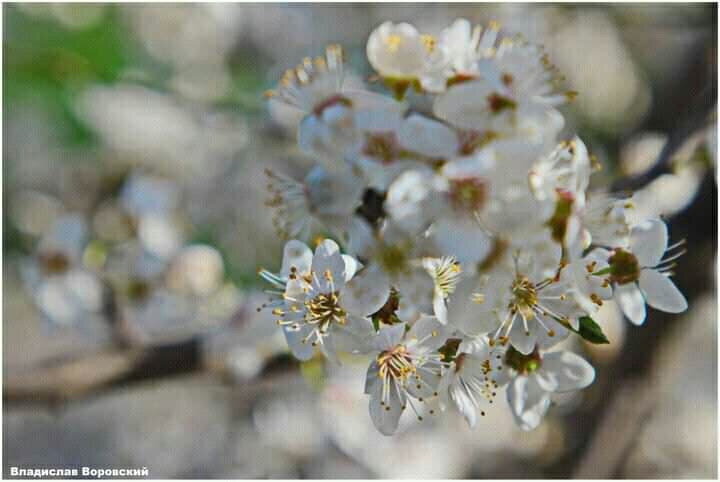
(134, 143)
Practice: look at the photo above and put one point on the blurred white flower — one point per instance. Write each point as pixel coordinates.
(64, 290)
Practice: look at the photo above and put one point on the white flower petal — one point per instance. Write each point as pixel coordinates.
(523, 341)
(295, 292)
(648, 242)
(296, 254)
(385, 416)
(545, 341)
(564, 371)
(301, 351)
(447, 379)
(631, 302)
(476, 347)
(371, 377)
(440, 308)
(425, 387)
(429, 333)
(352, 266)
(464, 105)
(427, 137)
(389, 336)
(661, 293)
(463, 238)
(463, 404)
(327, 259)
(408, 200)
(528, 402)
(375, 112)
(329, 346)
(415, 289)
(366, 293)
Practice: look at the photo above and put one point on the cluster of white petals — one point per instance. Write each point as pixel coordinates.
(467, 243)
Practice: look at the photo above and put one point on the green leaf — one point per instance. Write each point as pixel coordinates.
(591, 331)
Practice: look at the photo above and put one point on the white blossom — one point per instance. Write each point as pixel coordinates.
(469, 382)
(324, 304)
(640, 272)
(405, 372)
(402, 54)
(532, 378)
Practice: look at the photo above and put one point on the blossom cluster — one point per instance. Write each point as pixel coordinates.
(123, 266)
(468, 244)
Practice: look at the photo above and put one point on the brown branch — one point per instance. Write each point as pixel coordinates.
(71, 378)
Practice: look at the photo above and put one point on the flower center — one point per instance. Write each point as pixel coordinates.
(54, 262)
(382, 146)
(624, 267)
(523, 364)
(393, 258)
(395, 363)
(525, 297)
(498, 103)
(471, 140)
(468, 194)
(393, 42)
(324, 310)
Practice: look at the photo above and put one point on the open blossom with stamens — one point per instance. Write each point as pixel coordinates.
(394, 260)
(323, 199)
(640, 273)
(531, 379)
(333, 110)
(398, 144)
(529, 307)
(516, 82)
(604, 221)
(469, 382)
(449, 199)
(566, 168)
(324, 303)
(405, 372)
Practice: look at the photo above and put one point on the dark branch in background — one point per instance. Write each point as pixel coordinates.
(697, 118)
(696, 93)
